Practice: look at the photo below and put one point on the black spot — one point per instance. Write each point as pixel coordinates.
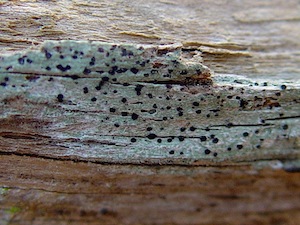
(245, 134)
(169, 140)
(121, 70)
(149, 128)
(85, 90)
(239, 146)
(182, 129)
(21, 61)
(285, 127)
(215, 154)
(48, 68)
(151, 136)
(74, 56)
(60, 98)
(171, 152)
(100, 50)
(159, 140)
(116, 125)
(134, 70)
(198, 111)
(283, 87)
(228, 149)
(134, 116)
(181, 138)
(195, 103)
(203, 138)
(112, 110)
(124, 113)
(215, 140)
(61, 56)
(3, 84)
(243, 103)
(133, 140)
(63, 69)
(207, 151)
(192, 128)
(165, 118)
(48, 55)
(92, 62)
(124, 100)
(94, 99)
(86, 71)
(138, 89)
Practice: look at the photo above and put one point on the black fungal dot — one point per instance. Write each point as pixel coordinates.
(21, 61)
(151, 136)
(60, 98)
(3, 84)
(228, 149)
(181, 138)
(74, 56)
(133, 140)
(105, 79)
(245, 134)
(203, 138)
(215, 154)
(61, 56)
(48, 55)
(198, 111)
(138, 89)
(239, 146)
(285, 127)
(192, 128)
(171, 152)
(165, 118)
(124, 113)
(215, 140)
(159, 140)
(86, 71)
(100, 50)
(112, 110)
(94, 99)
(149, 128)
(134, 70)
(63, 69)
(195, 103)
(134, 116)
(85, 90)
(116, 125)
(182, 129)
(124, 100)
(48, 68)
(169, 140)
(207, 151)
(283, 87)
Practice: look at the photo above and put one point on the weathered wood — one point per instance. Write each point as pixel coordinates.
(40, 191)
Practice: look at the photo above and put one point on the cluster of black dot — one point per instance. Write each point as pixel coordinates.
(196, 105)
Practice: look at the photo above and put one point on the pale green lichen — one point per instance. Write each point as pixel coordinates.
(114, 109)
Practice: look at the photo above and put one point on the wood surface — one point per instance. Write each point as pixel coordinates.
(247, 54)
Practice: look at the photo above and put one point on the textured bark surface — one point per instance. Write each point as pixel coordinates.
(253, 141)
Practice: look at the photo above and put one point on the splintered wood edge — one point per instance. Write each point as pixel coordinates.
(126, 103)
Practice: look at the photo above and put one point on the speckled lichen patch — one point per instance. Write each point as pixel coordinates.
(186, 117)
(119, 62)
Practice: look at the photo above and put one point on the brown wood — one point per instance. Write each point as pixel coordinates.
(256, 39)
(43, 191)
